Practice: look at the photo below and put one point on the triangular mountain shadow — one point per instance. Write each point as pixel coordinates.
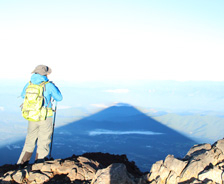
(120, 129)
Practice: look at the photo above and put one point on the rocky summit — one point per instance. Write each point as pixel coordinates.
(203, 163)
(90, 168)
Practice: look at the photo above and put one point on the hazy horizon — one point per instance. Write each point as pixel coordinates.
(186, 102)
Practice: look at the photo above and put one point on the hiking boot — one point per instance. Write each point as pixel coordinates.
(39, 161)
(22, 166)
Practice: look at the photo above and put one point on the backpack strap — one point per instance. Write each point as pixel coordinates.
(43, 84)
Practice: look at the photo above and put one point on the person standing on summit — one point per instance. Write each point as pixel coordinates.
(39, 131)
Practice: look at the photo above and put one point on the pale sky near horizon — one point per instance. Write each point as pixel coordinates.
(85, 40)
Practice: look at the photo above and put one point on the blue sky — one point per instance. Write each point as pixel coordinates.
(102, 40)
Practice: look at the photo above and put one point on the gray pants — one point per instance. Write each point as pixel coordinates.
(37, 133)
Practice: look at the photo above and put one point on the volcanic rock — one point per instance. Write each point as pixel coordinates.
(76, 169)
(203, 164)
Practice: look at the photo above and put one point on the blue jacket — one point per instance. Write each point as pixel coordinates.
(50, 89)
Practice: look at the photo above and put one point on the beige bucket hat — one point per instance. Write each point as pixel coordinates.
(42, 70)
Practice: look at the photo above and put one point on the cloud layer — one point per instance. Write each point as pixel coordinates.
(111, 132)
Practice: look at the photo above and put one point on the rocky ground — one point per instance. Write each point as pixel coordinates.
(76, 169)
(202, 164)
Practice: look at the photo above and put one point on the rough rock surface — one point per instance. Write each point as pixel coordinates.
(203, 163)
(113, 174)
(76, 169)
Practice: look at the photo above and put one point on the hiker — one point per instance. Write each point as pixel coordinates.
(39, 132)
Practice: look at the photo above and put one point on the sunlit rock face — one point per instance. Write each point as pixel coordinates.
(101, 168)
(202, 164)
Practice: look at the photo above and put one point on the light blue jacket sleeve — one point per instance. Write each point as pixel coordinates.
(54, 91)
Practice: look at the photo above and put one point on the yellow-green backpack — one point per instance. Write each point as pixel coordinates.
(33, 106)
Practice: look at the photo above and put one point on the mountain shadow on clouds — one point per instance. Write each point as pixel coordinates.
(120, 129)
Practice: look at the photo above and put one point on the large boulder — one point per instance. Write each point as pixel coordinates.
(169, 170)
(203, 163)
(113, 174)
